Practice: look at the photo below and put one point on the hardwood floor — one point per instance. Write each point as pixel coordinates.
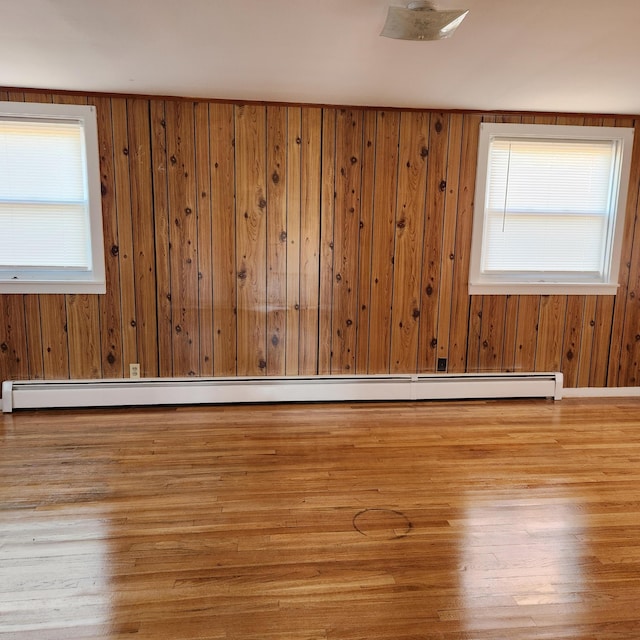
(515, 520)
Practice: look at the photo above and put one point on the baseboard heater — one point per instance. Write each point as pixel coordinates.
(34, 394)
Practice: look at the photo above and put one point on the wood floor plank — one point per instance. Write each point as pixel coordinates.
(386, 521)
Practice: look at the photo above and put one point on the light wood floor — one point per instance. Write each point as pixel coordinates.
(478, 521)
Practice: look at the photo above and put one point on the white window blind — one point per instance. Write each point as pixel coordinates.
(549, 203)
(549, 208)
(44, 204)
(50, 209)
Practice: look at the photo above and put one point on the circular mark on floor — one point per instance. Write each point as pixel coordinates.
(382, 524)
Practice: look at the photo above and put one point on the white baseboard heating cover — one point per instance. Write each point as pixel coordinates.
(37, 394)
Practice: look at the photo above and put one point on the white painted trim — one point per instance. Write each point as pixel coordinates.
(602, 392)
(35, 394)
(484, 283)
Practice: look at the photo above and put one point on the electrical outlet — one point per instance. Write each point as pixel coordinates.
(134, 370)
(442, 364)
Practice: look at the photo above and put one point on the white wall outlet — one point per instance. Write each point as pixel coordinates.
(134, 370)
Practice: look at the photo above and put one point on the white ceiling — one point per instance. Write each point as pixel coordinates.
(537, 55)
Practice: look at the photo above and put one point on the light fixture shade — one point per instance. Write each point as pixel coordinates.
(421, 21)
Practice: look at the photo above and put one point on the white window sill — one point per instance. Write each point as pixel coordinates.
(542, 288)
(32, 286)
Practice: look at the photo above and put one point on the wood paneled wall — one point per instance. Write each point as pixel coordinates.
(270, 240)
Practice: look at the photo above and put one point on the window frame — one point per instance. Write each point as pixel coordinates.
(514, 282)
(66, 280)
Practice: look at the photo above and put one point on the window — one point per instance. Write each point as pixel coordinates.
(549, 209)
(50, 200)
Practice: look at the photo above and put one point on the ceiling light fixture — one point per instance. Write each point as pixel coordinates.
(422, 21)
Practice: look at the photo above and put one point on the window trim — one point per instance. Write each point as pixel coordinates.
(30, 280)
(505, 284)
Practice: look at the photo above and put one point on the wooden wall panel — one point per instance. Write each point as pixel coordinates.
(460, 301)
(13, 342)
(550, 332)
(142, 220)
(412, 179)
(55, 343)
(383, 241)
(251, 238)
(223, 212)
(365, 240)
(449, 234)
(183, 234)
(276, 239)
(110, 316)
(159, 174)
(205, 248)
(125, 232)
(327, 212)
(264, 239)
(348, 181)
(309, 239)
(294, 151)
(432, 245)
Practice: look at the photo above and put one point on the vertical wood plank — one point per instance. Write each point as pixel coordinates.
(510, 331)
(83, 320)
(602, 368)
(366, 236)
(142, 219)
(527, 333)
(276, 239)
(327, 212)
(412, 177)
(491, 349)
(183, 237)
(159, 162)
(14, 364)
(460, 300)
(550, 332)
(251, 238)
(222, 146)
(205, 253)
(310, 240)
(125, 232)
(383, 241)
(449, 234)
(110, 310)
(33, 331)
(475, 333)
(294, 152)
(572, 342)
(433, 236)
(346, 230)
(586, 340)
(55, 345)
